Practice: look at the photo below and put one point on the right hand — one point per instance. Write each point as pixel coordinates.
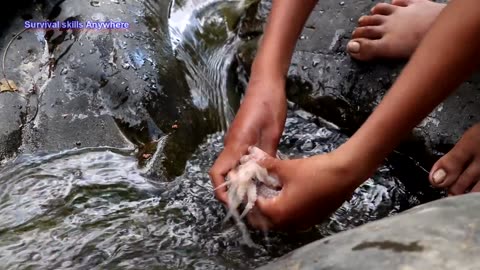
(259, 121)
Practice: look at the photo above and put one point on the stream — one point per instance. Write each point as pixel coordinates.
(94, 202)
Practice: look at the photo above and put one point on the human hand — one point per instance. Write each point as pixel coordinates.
(312, 189)
(260, 121)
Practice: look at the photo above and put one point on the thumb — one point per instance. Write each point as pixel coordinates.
(269, 207)
(262, 158)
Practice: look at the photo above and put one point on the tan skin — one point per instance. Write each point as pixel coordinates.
(261, 118)
(316, 186)
(394, 30)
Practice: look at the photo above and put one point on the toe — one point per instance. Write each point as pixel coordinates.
(364, 49)
(401, 3)
(371, 20)
(467, 179)
(476, 188)
(447, 169)
(383, 9)
(404, 3)
(369, 32)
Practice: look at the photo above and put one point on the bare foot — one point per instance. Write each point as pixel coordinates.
(393, 30)
(459, 169)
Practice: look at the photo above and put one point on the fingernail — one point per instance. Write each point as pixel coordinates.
(371, 10)
(353, 47)
(439, 176)
(361, 19)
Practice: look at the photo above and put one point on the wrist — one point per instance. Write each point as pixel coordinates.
(263, 72)
(267, 83)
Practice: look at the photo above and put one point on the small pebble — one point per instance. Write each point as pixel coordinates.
(342, 3)
(95, 3)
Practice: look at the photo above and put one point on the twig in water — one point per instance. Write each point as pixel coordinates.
(5, 56)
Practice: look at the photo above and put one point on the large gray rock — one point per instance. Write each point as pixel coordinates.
(439, 235)
(118, 88)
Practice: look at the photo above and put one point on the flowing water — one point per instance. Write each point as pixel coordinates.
(96, 209)
(100, 208)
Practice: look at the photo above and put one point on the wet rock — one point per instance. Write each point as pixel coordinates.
(424, 237)
(12, 112)
(85, 96)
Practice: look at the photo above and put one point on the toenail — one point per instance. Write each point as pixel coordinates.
(439, 176)
(353, 47)
(361, 19)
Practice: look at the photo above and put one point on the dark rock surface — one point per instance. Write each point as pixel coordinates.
(12, 111)
(89, 88)
(438, 235)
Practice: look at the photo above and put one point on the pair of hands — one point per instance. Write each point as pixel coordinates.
(312, 187)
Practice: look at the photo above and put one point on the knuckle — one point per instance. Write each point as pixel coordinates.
(380, 5)
(369, 30)
(377, 20)
(213, 171)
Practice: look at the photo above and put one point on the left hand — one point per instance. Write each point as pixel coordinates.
(312, 189)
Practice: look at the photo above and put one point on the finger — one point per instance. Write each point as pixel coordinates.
(257, 154)
(476, 188)
(220, 192)
(271, 208)
(245, 158)
(274, 211)
(224, 164)
(268, 163)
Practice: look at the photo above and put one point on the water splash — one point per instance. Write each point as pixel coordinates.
(95, 208)
(203, 39)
